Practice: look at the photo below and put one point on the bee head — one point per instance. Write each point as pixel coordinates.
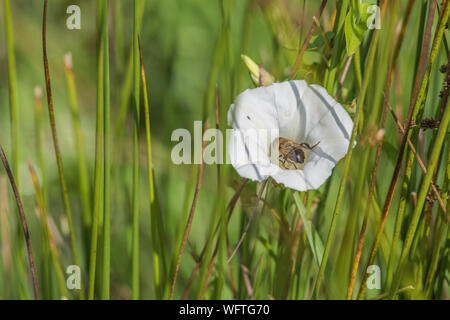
(299, 156)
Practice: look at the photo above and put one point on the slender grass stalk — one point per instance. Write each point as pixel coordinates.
(6, 239)
(221, 47)
(147, 126)
(250, 219)
(313, 240)
(323, 35)
(190, 219)
(56, 144)
(359, 108)
(12, 81)
(222, 180)
(357, 69)
(230, 208)
(308, 38)
(156, 228)
(105, 292)
(386, 294)
(419, 160)
(414, 109)
(136, 97)
(79, 142)
(441, 225)
(127, 87)
(344, 75)
(227, 70)
(442, 231)
(392, 63)
(187, 203)
(117, 8)
(39, 141)
(47, 233)
(442, 133)
(338, 44)
(99, 159)
(13, 107)
(24, 223)
(41, 201)
(407, 177)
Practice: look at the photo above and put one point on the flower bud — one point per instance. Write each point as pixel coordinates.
(259, 75)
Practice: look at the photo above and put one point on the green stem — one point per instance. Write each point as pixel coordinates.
(415, 107)
(407, 176)
(359, 108)
(156, 228)
(99, 162)
(78, 137)
(56, 145)
(12, 81)
(107, 154)
(136, 93)
(442, 133)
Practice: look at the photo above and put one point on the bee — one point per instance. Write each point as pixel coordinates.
(292, 154)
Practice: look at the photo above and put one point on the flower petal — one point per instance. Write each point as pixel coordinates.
(300, 112)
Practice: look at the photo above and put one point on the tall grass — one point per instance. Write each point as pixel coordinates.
(141, 227)
(62, 179)
(136, 101)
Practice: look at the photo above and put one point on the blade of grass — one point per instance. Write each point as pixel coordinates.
(414, 108)
(392, 63)
(12, 82)
(190, 219)
(418, 158)
(127, 86)
(442, 231)
(407, 176)
(154, 218)
(106, 273)
(24, 223)
(136, 97)
(308, 38)
(250, 219)
(422, 195)
(99, 159)
(359, 108)
(230, 208)
(46, 231)
(313, 238)
(59, 162)
(78, 137)
(39, 140)
(12, 86)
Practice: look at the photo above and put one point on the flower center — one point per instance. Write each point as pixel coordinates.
(290, 155)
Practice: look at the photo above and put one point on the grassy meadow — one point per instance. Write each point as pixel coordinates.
(86, 118)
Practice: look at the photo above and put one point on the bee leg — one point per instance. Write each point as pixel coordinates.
(281, 159)
(306, 145)
(315, 145)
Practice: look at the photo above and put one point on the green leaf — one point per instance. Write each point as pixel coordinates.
(317, 42)
(312, 235)
(311, 57)
(356, 25)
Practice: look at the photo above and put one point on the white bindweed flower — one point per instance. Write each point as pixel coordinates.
(306, 115)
